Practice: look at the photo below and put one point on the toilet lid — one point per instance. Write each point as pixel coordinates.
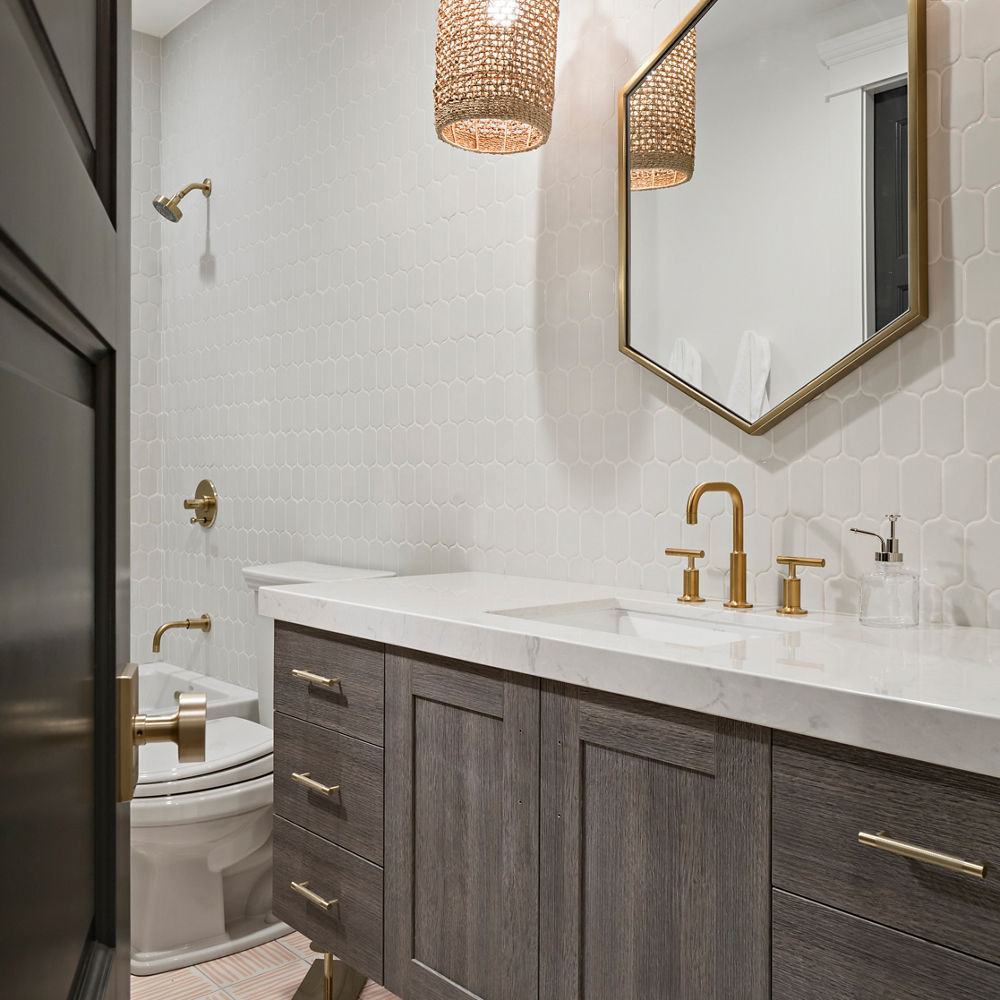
(235, 750)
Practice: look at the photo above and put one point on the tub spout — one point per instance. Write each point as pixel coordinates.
(204, 623)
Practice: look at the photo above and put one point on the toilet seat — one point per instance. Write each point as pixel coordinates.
(236, 751)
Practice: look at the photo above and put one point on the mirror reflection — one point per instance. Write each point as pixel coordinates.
(768, 222)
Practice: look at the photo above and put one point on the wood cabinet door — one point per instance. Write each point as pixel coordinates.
(655, 877)
(461, 834)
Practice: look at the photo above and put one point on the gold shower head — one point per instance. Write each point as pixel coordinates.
(169, 207)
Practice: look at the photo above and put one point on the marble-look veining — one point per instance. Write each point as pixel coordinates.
(931, 693)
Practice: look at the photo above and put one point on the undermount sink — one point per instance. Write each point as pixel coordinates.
(680, 626)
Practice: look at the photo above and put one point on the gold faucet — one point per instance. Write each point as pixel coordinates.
(737, 558)
(204, 623)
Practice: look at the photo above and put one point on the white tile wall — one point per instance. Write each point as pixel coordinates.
(390, 353)
(147, 411)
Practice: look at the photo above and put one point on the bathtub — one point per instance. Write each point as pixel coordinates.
(159, 681)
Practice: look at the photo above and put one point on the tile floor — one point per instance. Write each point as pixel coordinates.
(270, 971)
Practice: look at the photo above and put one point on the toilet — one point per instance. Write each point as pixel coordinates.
(201, 832)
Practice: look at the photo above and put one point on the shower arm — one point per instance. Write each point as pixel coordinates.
(205, 186)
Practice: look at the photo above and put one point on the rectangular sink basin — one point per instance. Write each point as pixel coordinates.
(681, 626)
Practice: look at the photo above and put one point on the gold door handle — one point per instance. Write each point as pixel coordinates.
(302, 888)
(883, 842)
(185, 727)
(312, 784)
(315, 678)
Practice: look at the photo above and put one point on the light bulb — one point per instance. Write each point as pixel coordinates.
(502, 13)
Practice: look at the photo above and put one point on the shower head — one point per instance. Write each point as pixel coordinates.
(169, 208)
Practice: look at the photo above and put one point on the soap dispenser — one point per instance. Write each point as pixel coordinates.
(890, 593)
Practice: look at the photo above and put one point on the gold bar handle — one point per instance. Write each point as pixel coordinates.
(311, 783)
(883, 842)
(302, 888)
(316, 679)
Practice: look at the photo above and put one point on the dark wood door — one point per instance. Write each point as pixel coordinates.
(461, 837)
(64, 363)
(655, 877)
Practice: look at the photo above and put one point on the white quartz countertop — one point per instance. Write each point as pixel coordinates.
(931, 693)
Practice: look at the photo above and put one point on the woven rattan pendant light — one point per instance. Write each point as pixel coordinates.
(661, 120)
(494, 85)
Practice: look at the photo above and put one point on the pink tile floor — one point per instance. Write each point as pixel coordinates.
(271, 971)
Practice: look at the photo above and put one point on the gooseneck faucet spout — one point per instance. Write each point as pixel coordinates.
(737, 558)
(204, 623)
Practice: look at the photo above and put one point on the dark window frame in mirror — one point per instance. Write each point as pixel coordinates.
(915, 236)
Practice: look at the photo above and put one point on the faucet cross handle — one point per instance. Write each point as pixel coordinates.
(691, 575)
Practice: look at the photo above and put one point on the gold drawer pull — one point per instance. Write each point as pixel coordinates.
(316, 679)
(311, 783)
(884, 842)
(302, 888)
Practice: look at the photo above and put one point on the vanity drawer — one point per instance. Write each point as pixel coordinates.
(352, 815)
(352, 927)
(822, 954)
(355, 704)
(824, 795)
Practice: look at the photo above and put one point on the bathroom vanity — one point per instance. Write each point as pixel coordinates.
(484, 789)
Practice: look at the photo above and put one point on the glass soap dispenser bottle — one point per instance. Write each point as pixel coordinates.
(890, 593)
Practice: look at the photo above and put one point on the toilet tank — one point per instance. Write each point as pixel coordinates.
(276, 575)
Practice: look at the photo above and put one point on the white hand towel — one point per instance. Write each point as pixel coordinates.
(748, 389)
(685, 362)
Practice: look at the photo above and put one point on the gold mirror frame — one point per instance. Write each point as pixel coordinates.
(917, 196)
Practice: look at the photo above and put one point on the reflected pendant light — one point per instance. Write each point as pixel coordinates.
(494, 84)
(661, 120)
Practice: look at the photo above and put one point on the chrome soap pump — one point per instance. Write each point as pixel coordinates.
(890, 593)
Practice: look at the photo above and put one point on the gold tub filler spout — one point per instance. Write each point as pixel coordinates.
(204, 623)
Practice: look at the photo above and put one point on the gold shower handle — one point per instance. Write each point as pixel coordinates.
(185, 727)
(205, 504)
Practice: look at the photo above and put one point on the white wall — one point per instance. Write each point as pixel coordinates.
(147, 411)
(401, 355)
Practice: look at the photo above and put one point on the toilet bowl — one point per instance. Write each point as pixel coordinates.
(201, 849)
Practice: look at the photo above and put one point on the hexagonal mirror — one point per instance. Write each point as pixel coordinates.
(772, 197)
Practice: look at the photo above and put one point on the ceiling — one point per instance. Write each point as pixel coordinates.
(159, 17)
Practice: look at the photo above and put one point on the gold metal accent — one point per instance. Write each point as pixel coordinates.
(169, 207)
(302, 888)
(329, 978)
(185, 727)
(311, 783)
(917, 194)
(205, 503)
(316, 678)
(204, 623)
(791, 585)
(737, 558)
(691, 575)
(884, 842)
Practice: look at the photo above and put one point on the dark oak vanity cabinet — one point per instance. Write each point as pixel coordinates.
(545, 841)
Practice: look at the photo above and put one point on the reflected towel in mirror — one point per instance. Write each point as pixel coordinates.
(748, 389)
(685, 362)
